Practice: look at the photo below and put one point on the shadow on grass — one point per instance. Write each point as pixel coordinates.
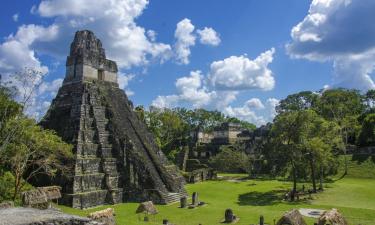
(256, 198)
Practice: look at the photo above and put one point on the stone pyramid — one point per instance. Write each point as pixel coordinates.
(116, 157)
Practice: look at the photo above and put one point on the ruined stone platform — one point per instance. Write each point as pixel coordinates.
(30, 216)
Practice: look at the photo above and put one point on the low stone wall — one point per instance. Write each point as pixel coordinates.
(200, 175)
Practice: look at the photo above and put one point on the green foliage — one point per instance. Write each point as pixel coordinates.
(7, 181)
(302, 138)
(33, 151)
(172, 127)
(244, 124)
(26, 149)
(297, 102)
(230, 160)
(367, 134)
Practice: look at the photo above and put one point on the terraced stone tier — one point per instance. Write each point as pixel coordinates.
(87, 165)
(88, 182)
(85, 200)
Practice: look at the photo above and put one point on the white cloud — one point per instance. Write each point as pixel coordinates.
(50, 88)
(340, 31)
(242, 73)
(152, 35)
(255, 103)
(17, 53)
(271, 106)
(169, 101)
(244, 113)
(123, 82)
(198, 91)
(185, 38)
(209, 36)
(264, 113)
(112, 21)
(15, 17)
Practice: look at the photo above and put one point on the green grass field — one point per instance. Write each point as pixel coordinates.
(249, 199)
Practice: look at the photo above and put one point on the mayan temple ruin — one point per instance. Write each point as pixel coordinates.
(116, 158)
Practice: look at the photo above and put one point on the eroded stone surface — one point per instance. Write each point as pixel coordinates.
(30, 216)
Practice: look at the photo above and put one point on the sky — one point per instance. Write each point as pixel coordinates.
(239, 57)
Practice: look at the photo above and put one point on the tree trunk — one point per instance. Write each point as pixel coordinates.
(321, 179)
(16, 186)
(313, 173)
(345, 159)
(294, 184)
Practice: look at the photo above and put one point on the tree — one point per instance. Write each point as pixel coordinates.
(317, 139)
(343, 107)
(170, 130)
(367, 134)
(285, 138)
(9, 109)
(23, 88)
(297, 102)
(34, 151)
(303, 137)
(230, 160)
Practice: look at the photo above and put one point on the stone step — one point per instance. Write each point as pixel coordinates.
(88, 199)
(88, 182)
(87, 165)
(171, 197)
(87, 149)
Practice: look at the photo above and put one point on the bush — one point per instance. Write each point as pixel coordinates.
(231, 160)
(7, 187)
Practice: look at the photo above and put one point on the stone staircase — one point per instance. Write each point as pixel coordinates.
(171, 198)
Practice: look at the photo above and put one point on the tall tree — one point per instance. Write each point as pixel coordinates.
(285, 137)
(342, 106)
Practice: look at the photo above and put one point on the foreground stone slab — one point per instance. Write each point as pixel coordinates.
(31, 216)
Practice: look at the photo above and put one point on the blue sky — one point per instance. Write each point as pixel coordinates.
(239, 57)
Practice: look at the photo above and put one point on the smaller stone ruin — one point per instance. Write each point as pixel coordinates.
(332, 217)
(183, 202)
(195, 199)
(41, 197)
(147, 208)
(292, 217)
(105, 216)
(229, 217)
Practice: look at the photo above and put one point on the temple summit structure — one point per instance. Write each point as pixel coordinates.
(116, 158)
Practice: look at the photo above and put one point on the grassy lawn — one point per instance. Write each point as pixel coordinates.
(249, 199)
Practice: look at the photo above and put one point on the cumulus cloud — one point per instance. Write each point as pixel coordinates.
(202, 91)
(186, 36)
(190, 90)
(15, 17)
(209, 36)
(242, 73)
(113, 21)
(254, 111)
(17, 52)
(184, 40)
(340, 31)
(255, 103)
(123, 82)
